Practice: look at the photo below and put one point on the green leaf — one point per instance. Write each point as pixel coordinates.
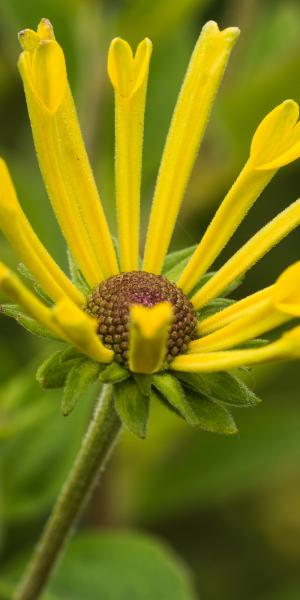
(53, 372)
(176, 257)
(76, 275)
(118, 566)
(194, 381)
(230, 389)
(114, 373)
(172, 391)
(221, 386)
(14, 311)
(37, 287)
(213, 307)
(132, 407)
(144, 383)
(211, 416)
(81, 375)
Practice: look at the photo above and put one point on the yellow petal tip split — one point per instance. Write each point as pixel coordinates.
(212, 27)
(276, 141)
(149, 329)
(127, 71)
(30, 39)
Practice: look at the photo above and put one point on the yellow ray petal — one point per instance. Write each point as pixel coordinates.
(286, 293)
(261, 319)
(275, 132)
(28, 247)
(249, 254)
(280, 304)
(63, 159)
(80, 329)
(11, 285)
(277, 140)
(188, 124)
(232, 312)
(231, 359)
(288, 346)
(149, 329)
(243, 194)
(129, 77)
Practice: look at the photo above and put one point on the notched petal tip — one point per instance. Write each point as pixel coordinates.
(46, 74)
(127, 71)
(30, 39)
(148, 330)
(276, 141)
(150, 321)
(229, 34)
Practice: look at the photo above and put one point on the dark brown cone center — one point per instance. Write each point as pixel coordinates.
(110, 301)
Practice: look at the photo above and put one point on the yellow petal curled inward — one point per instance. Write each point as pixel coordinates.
(129, 76)
(277, 140)
(63, 160)
(186, 131)
(249, 254)
(148, 336)
(28, 247)
(81, 330)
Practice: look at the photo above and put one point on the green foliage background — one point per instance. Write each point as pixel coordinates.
(229, 507)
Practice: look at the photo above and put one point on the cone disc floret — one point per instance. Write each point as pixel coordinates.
(110, 302)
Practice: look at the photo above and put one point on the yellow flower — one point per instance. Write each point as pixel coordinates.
(113, 310)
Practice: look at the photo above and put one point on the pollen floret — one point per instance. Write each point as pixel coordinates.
(110, 302)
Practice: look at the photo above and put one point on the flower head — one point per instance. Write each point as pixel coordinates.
(161, 325)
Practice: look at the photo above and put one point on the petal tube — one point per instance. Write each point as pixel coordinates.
(63, 160)
(249, 254)
(148, 336)
(186, 131)
(80, 330)
(129, 77)
(28, 247)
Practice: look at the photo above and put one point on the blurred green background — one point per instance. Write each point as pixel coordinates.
(229, 508)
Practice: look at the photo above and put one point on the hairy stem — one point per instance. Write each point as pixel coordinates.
(91, 459)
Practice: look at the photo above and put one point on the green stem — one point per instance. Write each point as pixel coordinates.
(91, 459)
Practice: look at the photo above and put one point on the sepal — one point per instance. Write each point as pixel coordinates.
(222, 387)
(37, 287)
(53, 372)
(210, 415)
(172, 391)
(132, 407)
(80, 376)
(30, 324)
(114, 373)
